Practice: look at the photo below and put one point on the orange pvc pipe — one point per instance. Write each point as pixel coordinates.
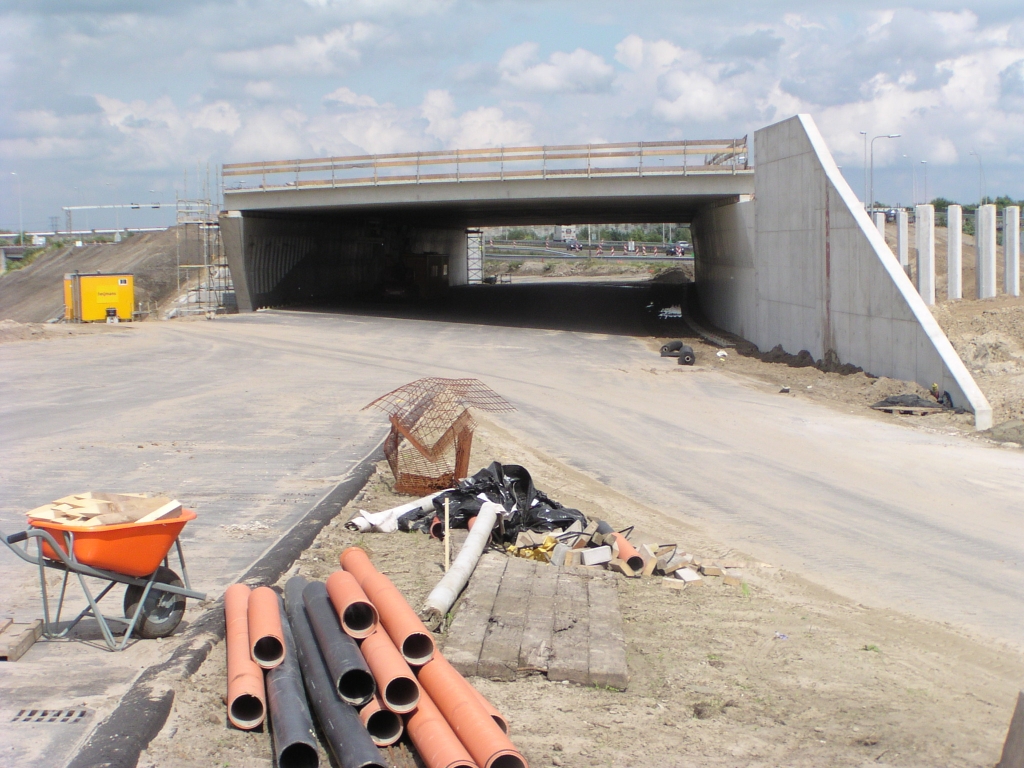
(395, 681)
(490, 709)
(437, 528)
(483, 738)
(435, 741)
(247, 703)
(471, 522)
(355, 611)
(383, 725)
(409, 634)
(628, 552)
(266, 638)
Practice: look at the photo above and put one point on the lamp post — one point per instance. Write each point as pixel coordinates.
(924, 181)
(981, 178)
(865, 135)
(21, 225)
(882, 136)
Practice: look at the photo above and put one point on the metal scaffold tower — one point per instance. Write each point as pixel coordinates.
(204, 280)
(475, 256)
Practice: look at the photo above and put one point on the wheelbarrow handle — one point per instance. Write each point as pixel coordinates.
(15, 538)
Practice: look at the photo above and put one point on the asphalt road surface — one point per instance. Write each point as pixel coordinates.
(251, 418)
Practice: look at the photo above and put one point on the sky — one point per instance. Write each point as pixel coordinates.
(121, 101)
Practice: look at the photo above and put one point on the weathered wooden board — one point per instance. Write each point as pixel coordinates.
(607, 641)
(467, 631)
(570, 642)
(499, 656)
(535, 649)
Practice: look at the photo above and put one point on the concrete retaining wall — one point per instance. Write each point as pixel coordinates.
(822, 277)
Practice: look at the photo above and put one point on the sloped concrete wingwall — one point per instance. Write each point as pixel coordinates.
(823, 278)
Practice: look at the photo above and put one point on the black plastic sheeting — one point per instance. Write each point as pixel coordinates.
(509, 485)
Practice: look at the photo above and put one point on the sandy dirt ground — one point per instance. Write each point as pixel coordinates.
(775, 672)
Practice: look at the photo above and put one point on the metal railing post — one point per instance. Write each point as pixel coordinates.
(588, 160)
(544, 163)
(417, 167)
(457, 167)
(641, 159)
(375, 170)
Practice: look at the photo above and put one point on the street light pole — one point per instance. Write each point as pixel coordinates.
(924, 181)
(21, 224)
(864, 134)
(881, 136)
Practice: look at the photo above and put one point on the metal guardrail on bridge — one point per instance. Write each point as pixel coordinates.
(717, 157)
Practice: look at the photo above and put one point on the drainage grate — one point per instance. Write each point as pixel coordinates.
(69, 716)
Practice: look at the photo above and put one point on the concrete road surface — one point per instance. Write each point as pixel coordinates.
(250, 418)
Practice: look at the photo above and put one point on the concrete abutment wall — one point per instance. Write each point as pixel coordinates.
(813, 273)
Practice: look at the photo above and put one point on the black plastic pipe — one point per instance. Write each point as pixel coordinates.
(603, 528)
(349, 742)
(295, 743)
(348, 668)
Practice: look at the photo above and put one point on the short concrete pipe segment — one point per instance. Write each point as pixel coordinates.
(443, 596)
(453, 695)
(358, 616)
(384, 726)
(246, 696)
(410, 635)
(628, 552)
(395, 681)
(351, 675)
(266, 640)
(349, 742)
(294, 738)
(435, 741)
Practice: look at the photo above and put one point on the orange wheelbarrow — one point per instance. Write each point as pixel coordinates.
(133, 554)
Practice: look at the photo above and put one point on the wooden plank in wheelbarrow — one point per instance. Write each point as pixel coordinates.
(16, 639)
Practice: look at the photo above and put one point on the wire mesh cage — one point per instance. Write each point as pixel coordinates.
(431, 433)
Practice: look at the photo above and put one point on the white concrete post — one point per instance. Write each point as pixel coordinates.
(955, 252)
(925, 231)
(879, 217)
(985, 238)
(1011, 250)
(902, 244)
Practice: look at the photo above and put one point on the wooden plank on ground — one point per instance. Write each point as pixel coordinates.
(18, 638)
(569, 638)
(535, 649)
(607, 639)
(499, 657)
(467, 631)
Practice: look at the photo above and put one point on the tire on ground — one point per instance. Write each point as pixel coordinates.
(668, 348)
(162, 611)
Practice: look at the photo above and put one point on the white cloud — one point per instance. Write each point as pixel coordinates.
(307, 55)
(578, 72)
(349, 98)
(482, 127)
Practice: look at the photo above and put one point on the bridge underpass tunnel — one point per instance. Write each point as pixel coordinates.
(387, 266)
(308, 259)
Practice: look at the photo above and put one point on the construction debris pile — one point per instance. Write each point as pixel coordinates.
(92, 509)
(369, 667)
(532, 525)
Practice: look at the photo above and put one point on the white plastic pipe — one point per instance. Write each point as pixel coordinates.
(440, 601)
(387, 521)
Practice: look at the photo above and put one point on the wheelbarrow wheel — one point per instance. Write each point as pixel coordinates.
(162, 611)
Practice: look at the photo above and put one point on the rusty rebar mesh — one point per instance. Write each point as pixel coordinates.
(432, 430)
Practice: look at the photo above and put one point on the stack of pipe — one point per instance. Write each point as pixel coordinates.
(259, 639)
(452, 724)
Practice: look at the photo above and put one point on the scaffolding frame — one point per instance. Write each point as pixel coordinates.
(204, 280)
(474, 256)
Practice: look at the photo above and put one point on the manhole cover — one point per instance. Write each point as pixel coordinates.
(69, 716)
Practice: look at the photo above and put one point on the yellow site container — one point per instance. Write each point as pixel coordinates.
(92, 298)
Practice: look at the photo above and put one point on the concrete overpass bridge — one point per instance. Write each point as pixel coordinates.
(785, 254)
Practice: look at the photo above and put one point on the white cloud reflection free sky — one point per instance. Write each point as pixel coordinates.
(114, 100)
